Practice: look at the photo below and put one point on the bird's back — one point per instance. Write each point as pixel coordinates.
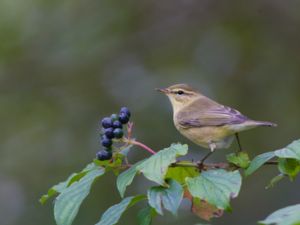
(206, 112)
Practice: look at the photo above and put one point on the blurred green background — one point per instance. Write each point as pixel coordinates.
(66, 64)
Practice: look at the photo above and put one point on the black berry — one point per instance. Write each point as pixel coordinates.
(118, 133)
(106, 142)
(107, 122)
(109, 133)
(123, 118)
(117, 124)
(126, 111)
(114, 117)
(103, 155)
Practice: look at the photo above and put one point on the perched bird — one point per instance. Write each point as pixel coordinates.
(206, 122)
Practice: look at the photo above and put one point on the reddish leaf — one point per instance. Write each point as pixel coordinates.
(203, 209)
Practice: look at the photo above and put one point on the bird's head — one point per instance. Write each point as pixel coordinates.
(180, 95)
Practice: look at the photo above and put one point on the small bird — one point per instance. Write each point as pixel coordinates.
(206, 122)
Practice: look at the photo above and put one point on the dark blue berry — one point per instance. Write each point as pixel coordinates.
(109, 133)
(103, 155)
(106, 142)
(114, 117)
(118, 133)
(117, 124)
(126, 111)
(107, 122)
(123, 118)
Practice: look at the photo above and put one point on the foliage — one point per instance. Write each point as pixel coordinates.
(216, 187)
(241, 159)
(113, 214)
(208, 187)
(126, 178)
(287, 216)
(258, 161)
(170, 197)
(156, 167)
(68, 202)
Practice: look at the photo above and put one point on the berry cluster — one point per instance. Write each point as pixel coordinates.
(112, 129)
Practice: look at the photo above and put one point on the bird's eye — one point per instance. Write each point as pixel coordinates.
(180, 92)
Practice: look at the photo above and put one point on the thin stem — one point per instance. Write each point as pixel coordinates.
(133, 142)
(130, 141)
(204, 167)
(129, 130)
(271, 163)
(200, 166)
(184, 164)
(239, 142)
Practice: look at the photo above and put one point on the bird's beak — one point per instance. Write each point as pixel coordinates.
(162, 90)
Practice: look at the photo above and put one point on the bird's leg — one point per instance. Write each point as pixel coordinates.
(238, 141)
(212, 147)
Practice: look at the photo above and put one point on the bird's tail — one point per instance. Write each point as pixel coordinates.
(264, 123)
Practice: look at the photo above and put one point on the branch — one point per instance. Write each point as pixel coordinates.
(271, 163)
(201, 167)
(130, 141)
(133, 142)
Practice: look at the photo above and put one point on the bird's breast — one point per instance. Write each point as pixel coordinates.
(203, 136)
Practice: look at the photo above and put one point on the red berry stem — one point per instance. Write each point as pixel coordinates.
(133, 142)
(129, 129)
(128, 140)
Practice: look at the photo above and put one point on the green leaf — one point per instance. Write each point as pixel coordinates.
(114, 213)
(63, 185)
(126, 178)
(290, 167)
(78, 176)
(275, 180)
(241, 159)
(292, 151)
(170, 198)
(146, 215)
(155, 167)
(114, 165)
(216, 187)
(110, 164)
(258, 161)
(181, 173)
(286, 216)
(56, 189)
(68, 202)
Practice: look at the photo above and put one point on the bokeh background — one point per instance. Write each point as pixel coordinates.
(66, 64)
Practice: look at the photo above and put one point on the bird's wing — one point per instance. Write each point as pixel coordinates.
(205, 112)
